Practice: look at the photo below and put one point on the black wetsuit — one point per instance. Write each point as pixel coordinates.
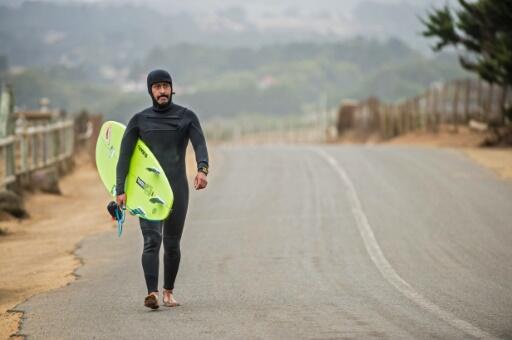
(166, 131)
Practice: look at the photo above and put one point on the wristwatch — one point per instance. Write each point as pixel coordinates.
(203, 169)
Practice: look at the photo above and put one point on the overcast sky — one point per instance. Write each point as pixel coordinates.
(260, 6)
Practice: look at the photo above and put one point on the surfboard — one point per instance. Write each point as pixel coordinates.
(148, 191)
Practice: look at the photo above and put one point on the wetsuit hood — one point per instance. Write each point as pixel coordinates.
(158, 76)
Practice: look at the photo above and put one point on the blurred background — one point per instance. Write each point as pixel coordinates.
(242, 67)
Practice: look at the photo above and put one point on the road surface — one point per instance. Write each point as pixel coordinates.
(311, 242)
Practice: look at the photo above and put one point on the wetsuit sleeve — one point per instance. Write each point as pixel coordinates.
(198, 142)
(131, 134)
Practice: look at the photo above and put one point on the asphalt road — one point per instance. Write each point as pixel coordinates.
(298, 242)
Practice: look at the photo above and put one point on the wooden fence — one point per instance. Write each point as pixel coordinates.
(26, 147)
(455, 103)
(35, 147)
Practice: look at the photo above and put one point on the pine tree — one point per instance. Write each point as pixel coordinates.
(481, 31)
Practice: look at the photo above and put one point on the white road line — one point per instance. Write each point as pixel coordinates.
(385, 268)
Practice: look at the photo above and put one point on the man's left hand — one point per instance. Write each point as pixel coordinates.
(200, 181)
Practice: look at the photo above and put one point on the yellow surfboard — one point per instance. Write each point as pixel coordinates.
(148, 192)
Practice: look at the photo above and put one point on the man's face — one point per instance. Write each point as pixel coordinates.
(161, 92)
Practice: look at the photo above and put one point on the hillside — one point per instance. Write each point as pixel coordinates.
(273, 80)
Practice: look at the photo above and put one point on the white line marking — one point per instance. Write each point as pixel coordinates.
(385, 268)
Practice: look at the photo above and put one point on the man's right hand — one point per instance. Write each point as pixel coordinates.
(121, 200)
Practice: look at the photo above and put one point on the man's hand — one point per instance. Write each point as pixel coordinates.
(200, 181)
(121, 200)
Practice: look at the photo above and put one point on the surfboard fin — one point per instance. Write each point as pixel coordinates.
(157, 200)
(153, 170)
(138, 211)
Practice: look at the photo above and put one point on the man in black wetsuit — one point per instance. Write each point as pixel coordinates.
(166, 129)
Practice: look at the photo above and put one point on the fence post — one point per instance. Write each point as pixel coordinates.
(481, 108)
(34, 149)
(455, 106)
(444, 96)
(7, 128)
(403, 112)
(384, 121)
(21, 131)
(428, 110)
(490, 102)
(435, 112)
(398, 119)
(410, 115)
(467, 99)
(416, 110)
(503, 103)
(389, 121)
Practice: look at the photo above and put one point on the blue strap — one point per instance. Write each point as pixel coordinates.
(120, 220)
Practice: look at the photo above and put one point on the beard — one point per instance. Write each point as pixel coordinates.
(163, 103)
(164, 96)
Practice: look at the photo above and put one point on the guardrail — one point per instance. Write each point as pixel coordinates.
(33, 140)
(35, 147)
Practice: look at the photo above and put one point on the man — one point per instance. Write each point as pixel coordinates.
(166, 128)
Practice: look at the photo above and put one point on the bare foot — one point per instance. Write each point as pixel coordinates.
(169, 300)
(151, 301)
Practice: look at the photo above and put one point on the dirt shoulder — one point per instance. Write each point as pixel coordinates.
(37, 254)
(497, 159)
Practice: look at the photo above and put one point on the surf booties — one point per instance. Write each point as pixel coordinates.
(117, 214)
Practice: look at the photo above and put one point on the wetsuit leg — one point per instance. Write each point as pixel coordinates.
(152, 234)
(173, 229)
